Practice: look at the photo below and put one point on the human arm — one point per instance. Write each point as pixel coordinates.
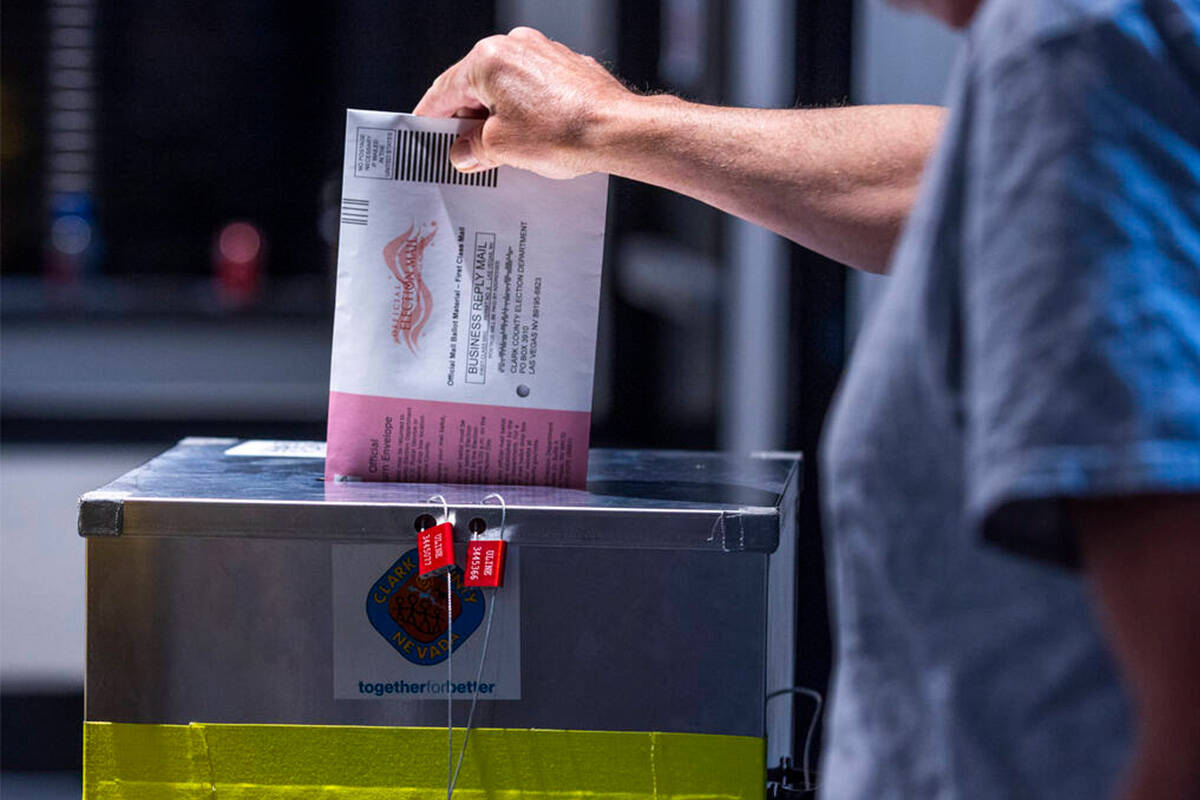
(840, 181)
(1142, 558)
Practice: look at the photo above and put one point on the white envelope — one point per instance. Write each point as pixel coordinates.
(464, 332)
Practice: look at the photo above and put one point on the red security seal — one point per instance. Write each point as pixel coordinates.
(485, 563)
(435, 549)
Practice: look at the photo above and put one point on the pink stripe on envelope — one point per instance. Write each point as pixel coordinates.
(424, 441)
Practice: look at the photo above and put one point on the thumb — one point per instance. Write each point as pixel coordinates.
(461, 155)
(467, 153)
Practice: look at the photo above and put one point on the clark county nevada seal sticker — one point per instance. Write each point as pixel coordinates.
(410, 611)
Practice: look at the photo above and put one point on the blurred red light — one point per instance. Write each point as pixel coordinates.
(239, 242)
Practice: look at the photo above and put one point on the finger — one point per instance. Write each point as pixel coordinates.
(464, 85)
(451, 95)
(527, 34)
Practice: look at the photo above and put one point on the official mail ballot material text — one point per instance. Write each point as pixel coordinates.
(465, 325)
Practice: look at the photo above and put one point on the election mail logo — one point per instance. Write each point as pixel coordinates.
(410, 611)
(412, 301)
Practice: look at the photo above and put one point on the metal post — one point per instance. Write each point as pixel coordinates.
(755, 326)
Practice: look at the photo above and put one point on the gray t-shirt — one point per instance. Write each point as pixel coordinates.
(1039, 340)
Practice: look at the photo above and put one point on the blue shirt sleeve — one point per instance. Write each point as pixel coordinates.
(1081, 280)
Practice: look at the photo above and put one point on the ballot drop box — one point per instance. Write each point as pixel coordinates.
(256, 632)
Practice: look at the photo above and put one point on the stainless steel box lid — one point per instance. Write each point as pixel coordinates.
(635, 499)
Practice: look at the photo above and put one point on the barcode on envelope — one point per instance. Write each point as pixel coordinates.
(424, 157)
(354, 211)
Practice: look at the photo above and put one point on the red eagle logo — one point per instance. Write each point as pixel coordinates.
(419, 607)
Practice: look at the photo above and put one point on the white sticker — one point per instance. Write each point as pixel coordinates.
(273, 449)
(390, 626)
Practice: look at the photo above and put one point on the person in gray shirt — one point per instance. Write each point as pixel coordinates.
(1011, 474)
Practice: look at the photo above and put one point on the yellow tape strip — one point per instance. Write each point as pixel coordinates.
(278, 762)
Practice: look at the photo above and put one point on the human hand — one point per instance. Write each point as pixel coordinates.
(543, 105)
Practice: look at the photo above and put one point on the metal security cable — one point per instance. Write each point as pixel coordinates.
(449, 683)
(812, 726)
(487, 635)
(449, 657)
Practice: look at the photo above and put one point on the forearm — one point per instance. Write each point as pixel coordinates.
(840, 181)
(1142, 555)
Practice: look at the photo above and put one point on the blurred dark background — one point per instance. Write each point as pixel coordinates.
(171, 179)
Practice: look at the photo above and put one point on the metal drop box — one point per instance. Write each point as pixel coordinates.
(660, 599)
